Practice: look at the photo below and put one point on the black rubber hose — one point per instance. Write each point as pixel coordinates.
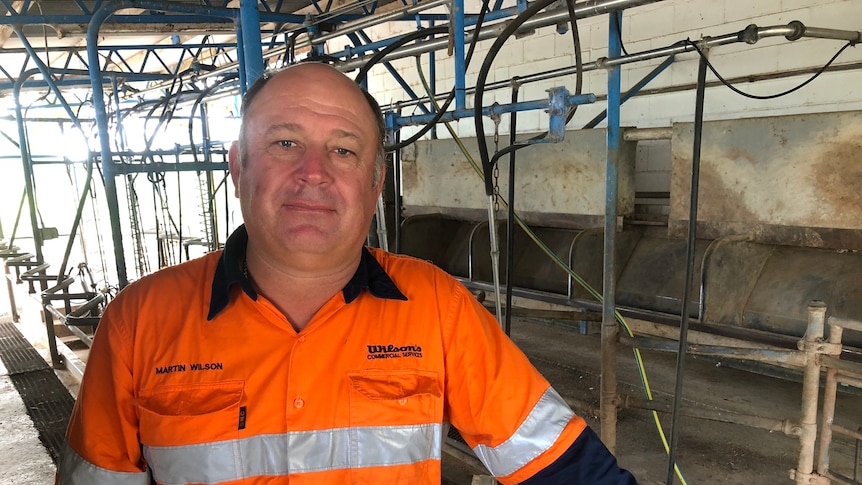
(451, 97)
(482, 79)
(689, 267)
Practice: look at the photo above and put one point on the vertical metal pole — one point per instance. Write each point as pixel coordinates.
(93, 61)
(251, 45)
(510, 220)
(495, 257)
(27, 165)
(8, 275)
(56, 359)
(382, 234)
(244, 81)
(396, 179)
(830, 395)
(608, 405)
(212, 244)
(460, 61)
(432, 81)
(810, 392)
(689, 269)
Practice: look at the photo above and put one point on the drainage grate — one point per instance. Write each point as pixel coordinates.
(47, 401)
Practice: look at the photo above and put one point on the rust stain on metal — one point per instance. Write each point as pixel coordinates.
(838, 178)
(730, 205)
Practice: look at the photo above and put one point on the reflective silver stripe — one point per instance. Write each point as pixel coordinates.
(298, 452)
(535, 435)
(75, 470)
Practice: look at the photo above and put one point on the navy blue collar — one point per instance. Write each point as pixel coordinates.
(369, 275)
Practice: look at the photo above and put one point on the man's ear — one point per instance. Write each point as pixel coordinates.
(234, 158)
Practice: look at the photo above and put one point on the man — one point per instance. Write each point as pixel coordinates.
(297, 355)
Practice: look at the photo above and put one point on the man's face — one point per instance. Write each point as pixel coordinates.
(304, 170)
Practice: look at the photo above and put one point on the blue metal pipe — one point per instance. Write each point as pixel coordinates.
(497, 109)
(251, 44)
(240, 58)
(460, 60)
(27, 165)
(213, 15)
(49, 78)
(608, 408)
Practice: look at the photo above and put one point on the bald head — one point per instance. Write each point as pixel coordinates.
(315, 80)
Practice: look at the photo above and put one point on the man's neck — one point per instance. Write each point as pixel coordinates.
(297, 294)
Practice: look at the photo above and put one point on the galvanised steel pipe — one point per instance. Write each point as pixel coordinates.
(846, 323)
(586, 9)
(677, 48)
(371, 21)
(830, 394)
(495, 110)
(722, 416)
(803, 474)
(774, 356)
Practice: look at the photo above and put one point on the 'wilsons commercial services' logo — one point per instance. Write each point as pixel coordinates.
(393, 351)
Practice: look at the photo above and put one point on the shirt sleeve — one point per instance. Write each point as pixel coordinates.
(586, 461)
(507, 412)
(102, 437)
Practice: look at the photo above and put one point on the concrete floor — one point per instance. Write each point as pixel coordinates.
(23, 458)
(709, 452)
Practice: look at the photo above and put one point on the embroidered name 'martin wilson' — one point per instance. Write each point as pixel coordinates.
(393, 351)
(191, 367)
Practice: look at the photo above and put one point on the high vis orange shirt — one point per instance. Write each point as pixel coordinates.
(194, 378)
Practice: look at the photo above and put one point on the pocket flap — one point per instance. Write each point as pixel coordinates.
(192, 399)
(395, 384)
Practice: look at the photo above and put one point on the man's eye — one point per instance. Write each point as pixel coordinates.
(286, 143)
(343, 152)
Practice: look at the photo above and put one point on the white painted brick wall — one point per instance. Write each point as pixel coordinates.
(650, 27)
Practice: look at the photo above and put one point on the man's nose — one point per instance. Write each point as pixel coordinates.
(314, 167)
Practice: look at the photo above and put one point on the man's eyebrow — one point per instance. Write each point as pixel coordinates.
(285, 126)
(296, 127)
(346, 134)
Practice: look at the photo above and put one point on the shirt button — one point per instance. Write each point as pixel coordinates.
(402, 401)
(302, 339)
(298, 402)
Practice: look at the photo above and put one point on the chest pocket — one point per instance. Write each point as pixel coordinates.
(395, 421)
(190, 414)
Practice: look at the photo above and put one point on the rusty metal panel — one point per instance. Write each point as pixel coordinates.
(792, 278)
(441, 240)
(588, 258)
(654, 277)
(553, 178)
(784, 180)
(731, 269)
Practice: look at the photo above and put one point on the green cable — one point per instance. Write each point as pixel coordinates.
(565, 267)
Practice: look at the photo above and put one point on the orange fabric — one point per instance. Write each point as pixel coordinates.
(160, 374)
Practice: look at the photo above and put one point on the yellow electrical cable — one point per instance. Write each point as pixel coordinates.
(565, 267)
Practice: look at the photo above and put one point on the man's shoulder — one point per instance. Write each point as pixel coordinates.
(396, 264)
(417, 278)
